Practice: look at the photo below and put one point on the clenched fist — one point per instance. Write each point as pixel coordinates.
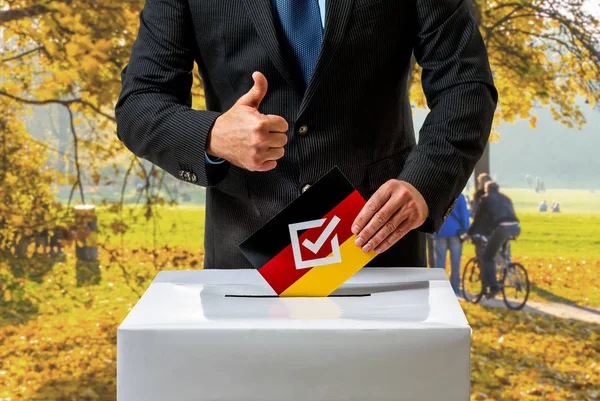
(245, 137)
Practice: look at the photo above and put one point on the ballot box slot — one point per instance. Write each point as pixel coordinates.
(350, 290)
(277, 296)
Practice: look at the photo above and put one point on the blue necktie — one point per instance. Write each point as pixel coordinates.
(301, 24)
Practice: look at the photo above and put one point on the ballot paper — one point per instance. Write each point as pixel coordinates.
(308, 250)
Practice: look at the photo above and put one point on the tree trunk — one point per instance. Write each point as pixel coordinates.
(483, 165)
(86, 224)
(21, 246)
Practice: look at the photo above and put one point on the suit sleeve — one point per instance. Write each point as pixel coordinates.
(462, 98)
(154, 117)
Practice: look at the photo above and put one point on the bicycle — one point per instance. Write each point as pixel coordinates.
(512, 276)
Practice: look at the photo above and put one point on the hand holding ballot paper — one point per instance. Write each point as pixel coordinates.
(393, 210)
(309, 249)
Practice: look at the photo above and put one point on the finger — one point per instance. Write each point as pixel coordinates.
(377, 200)
(273, 154)
(276, 140)
(257, 93)
(268, 165)
(277, 123)
(387, 228)
(380, 219)
(403, 229)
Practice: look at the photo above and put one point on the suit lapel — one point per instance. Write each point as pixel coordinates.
(260, 11)
(337, 14)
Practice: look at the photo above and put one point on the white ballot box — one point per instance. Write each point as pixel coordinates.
(215, 335)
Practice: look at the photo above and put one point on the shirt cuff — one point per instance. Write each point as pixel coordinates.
(208, 160)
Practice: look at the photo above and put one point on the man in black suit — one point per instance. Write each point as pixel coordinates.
(329, 87)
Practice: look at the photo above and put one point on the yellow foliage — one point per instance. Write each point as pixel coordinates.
(533, 121)
(25, 192)
(534, 59)
(528, 356)
(89, 64)
(84, 45)
(72, 49)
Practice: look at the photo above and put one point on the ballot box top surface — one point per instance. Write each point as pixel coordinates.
(373, 299)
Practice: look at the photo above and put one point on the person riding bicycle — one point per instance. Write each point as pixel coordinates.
(496, 219)
(482, 179)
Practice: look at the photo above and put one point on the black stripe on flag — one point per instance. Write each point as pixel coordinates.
(314, 203)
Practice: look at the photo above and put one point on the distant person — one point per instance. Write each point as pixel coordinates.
(555, 207)
(529, 180)
(497, 219)
(482, 179)
(448, 239)
(540, 186)
(543, 206)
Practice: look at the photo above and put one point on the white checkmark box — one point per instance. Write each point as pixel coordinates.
(317, 245)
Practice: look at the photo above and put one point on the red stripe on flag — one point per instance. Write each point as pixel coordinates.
(280, 272)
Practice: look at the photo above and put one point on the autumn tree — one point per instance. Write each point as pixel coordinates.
(543, 53)
(26, 201)
(69, 54)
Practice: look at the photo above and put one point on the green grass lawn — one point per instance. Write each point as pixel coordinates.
(178, 226)
(544, 234)
(561, 251)
(571, 200)
(559, 235)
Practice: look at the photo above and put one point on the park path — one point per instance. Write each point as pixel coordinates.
(560, 310)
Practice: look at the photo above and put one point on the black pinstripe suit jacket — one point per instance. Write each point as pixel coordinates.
(356, 106)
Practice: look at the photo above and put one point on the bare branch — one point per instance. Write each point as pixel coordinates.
(133, 160)
(76, 155)
(65, 103)
(20, 13)
(24, 54)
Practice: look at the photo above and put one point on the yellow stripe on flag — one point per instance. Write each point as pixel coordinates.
(321, 281)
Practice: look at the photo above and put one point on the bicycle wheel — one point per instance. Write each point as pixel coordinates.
(472, 284)
(515, 286)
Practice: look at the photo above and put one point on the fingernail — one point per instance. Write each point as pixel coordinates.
(359, 241)
(366, 248)
(355, 229)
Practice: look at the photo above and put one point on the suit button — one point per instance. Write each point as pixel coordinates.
(188, 176)
(303, 130)
(305, 187)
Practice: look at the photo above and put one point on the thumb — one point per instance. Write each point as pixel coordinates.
(256, 94)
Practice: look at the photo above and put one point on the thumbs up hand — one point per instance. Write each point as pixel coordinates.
(245, 137)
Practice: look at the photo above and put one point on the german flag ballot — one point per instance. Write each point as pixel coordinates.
(307, 249)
